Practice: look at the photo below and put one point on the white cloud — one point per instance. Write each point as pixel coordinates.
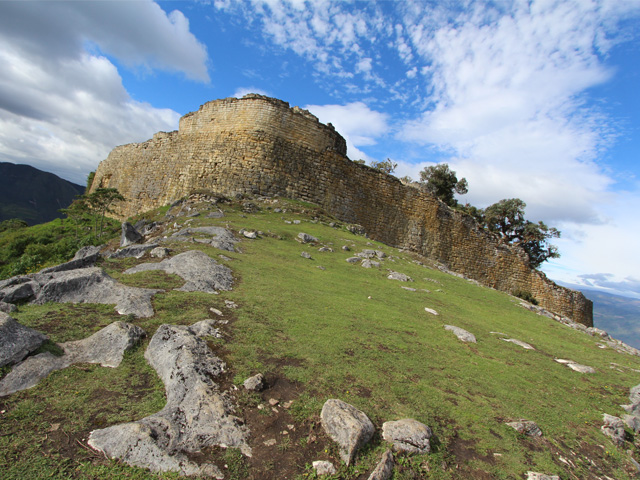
(242, 91)
(356, 122)
(63, 107)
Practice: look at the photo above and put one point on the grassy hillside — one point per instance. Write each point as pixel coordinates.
(33, 195)
(323, 328)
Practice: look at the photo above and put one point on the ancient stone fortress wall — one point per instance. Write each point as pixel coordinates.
(259, 145)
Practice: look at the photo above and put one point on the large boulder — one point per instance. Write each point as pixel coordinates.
(350, 428)
(106, 347)
(16, 340)
(201, 272)
(197, 415)
(129, 235)
(85, 257)
(408, 435)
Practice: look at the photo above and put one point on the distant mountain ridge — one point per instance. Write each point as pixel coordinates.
(33, 195)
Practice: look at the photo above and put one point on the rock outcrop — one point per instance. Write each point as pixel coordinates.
(258, 145)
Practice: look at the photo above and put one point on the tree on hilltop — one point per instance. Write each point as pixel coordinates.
(387, 166)
(506, 218)
(442, 182)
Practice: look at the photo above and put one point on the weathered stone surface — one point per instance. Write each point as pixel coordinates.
(255, 383)
(520, 343)
(85, 257)
(306, 238)
(17, 289)
(7, 307)
(634, 394)
(306, 255)
(461, 333)
(347, 426)
(541, 476)
(196, 415)
(258, 145)
(220, 237)
(134, 251)
(93, 285)
(206, 328)
(431, 311)
(399, 276)
(322, 467)
(576, 366)
(201, 272)
(366, 263)
(384, 469)
(106, 347)
(526, 427)
(353, 259)
(632, 421)
(408, 435)
(251, 234)
(16, 340)
(129, 235)
(613, 427)
(160, 252)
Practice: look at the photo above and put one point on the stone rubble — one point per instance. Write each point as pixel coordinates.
(350, 428)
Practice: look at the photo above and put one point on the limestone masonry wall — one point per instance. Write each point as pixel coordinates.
(258, 145)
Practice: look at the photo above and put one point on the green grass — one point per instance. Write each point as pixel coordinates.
(319, 329)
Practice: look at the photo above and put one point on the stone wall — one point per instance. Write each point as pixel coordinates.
(259, 145)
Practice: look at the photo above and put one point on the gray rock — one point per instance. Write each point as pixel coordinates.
(526, 427)
(634, 394)
(215, 214)
(366, 263)
(576, 366)
(399, 276)
(461, 333)
(195, 417)
(384, 469)
(431, 311)
(129, 235)
(306, 255)
(85, 257)
(613, 427)
(353, 259)
(346, 248)
(541, 476)
(633, 422)
(255, 383)
(93, 285)
(201, 272)
(160, 252)
(306, 238)
(134, 251)
(322, 467)
(220, 237)
(408, 435)
(206, 328)
(16, 340)
(18, 289)
(106, 347)
(520, 343)
(366, 254)
(7, 307)
(250, 234)
(347, 426)
(325, 249)
(356, 229)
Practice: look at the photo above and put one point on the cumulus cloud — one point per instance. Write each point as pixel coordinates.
(356, 122)
(62, 103)
(242, 91)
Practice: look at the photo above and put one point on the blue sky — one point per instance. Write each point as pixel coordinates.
(537, 100)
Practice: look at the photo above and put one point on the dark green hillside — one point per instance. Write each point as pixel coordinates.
(320, 328)
(33, 195)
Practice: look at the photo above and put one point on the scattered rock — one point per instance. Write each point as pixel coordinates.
(325, 249)
(296, 222)
(366, 263)
(16, 340)
(255, 383)
(306, 255)
(345, 248)
(347, 426)
(134, 251)
(215, 311)
(541, 476)
(196, 415)
(250, 207)
(7, 307)
(576, 366)
(273, 402)
(270, 443)
(221, 238)
(85, 257)
(431, 311)
(614, 428)
(306, 238)
(215, 214)
(408, 435)
(322, 467)
(251, 234)
(160, 252)
(461, 333)
(384, 469)
(106, 347)
(632, 421)
(399, 276)
(353, 259)
(356, 229)
(524, 345)
(206, 328)
(199, 270)
(129, 235)
(230, 304)
(526, 427)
